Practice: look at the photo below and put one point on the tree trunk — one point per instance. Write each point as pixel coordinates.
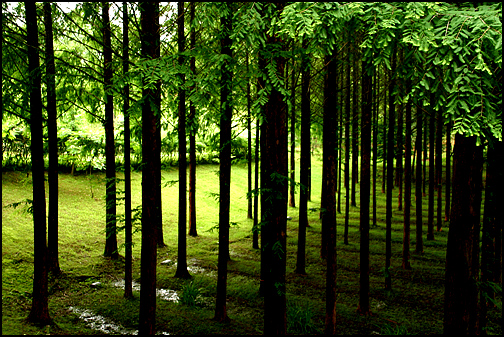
(39, 313)
(424, 177)
(255, 228)
(340, 133)
(192, 135)
(292, 198)
(364, 190)
(128, 270)
(448, 172)
(249, 144)
(147, 320)
(374, 92)
(407, 184)
(461, 294)
(439, 169)
(399, 159)
(430, 214)
(182, 271)
(390, 177)
(52, 131)
(225, 164)
(274, 199)
(347, 147)
(330, 141)
(355, 130)
(418, 184)
(305, 162)
(384, 137)
(111, 236)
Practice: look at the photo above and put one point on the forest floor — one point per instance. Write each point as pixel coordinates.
(80, 305)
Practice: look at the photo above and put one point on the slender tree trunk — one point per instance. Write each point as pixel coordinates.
(355, 130)
(347, 147)
(384, 137)
(407, 184)
(249, 144)
(256, 229)
(292, 198)
(340, 133)
(424, 177)
(182, 271)
(52, 131)
(192, 135)
(39, 313)
(448, 172)
(330, 141)
(462, 267)
(111, 236)
(439, 168)
(418, 184)
(390, 177)
(375, 140)
(399, 159)
(274, 199)
(147, 320)
(430, 214)
(225, 164)
(364, 190)
(128, 270)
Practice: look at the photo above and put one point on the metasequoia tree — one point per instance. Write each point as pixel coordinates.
(226, 107)
(111, 236)
(273, 186)
(150, 145)
(39, 313)
(52, 130)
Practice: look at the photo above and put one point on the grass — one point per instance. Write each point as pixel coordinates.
(414, 306)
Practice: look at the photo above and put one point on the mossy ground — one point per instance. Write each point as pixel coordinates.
(414, 306)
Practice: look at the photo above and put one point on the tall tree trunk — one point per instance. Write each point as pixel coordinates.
(52, 131)
(192, 134)
(330, 141)
(150, 145)
(430, 214)
(182, 271)
(407, 184)
(249, 143)
(390, 177)
(347, 147)
(462, 268)
(424, 177)
(255, 228)
(274, 198)
(384, 137)
(340, 132)
(128, 230)
(111, 236)
(365, 189)
(39, 313)
(439, 168)
(305, 161)
(448, 171)
(292, 197)
(226, 108)
(355, 129)
(374, 92)
(399, 159)
(418, 184)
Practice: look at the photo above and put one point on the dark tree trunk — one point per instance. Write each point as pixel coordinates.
(430, 214)
(340, 132)
(355, 130)
(39, 313)
(249, 144)
(274, 199)
(305, 162)
(111, 236)
(407, 184)
(347, 147)
(439, 168)
(52, 131)
(424, 177)
(292, 198)
(256, 229)
(462, 268)
(375, 140)
(192, 135)
(128, 230)
(418, 184)
(330, 158)
(364, 190)
(390, 177)
(399, 159)
(448, 172)
(384, 137)
(147, 320)
(226, 108)
(182, 271)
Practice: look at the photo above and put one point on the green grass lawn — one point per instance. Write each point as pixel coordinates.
(415, 305)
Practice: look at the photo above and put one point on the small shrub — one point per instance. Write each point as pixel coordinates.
(190, 293)
(397, 329)
(300, 318)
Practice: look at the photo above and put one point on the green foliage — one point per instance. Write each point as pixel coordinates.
(191, 293)
(300, 317)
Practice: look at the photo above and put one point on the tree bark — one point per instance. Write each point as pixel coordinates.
(225, 164)
(128, 230)
(249, 144)
(52, 131)
(39, 313)
(418, 184)
(462, 267)
(255, 228)
(407, 184)
(355, 130)
(292, 197)
(374, 92)
(439, 169)
(347, 147)
(150, 145)
(111, 213)
(430, 214)
(364, 190)
(329, 180)
(448, 172)
(182, 271)
(192, 134)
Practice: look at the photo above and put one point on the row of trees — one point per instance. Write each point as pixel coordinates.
(440, 61)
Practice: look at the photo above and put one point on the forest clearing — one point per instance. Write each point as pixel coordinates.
(247, 167)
